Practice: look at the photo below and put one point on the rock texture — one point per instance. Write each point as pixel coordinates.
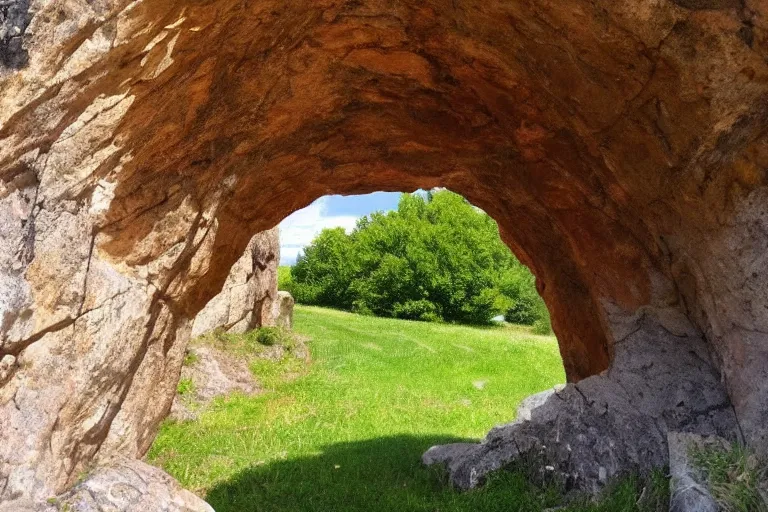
(122, 486)
(14, 19)
(127, 486)
(283, 310)
(620, 144)
(248, 299)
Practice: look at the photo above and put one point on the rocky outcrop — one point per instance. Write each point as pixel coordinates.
(588, 433)
(248, 299)
(620, 144)
(126, 485)
(283, 310)
(14, 19)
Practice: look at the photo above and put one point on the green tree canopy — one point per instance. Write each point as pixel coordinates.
(435, 258)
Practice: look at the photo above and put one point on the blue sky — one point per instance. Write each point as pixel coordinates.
(301, 227)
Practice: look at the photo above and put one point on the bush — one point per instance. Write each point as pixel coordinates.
(542, 324)
(269, 336)
(416, 310)
(436, 258)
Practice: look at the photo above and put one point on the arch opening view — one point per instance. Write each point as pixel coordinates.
(620, 146)
(347, 431)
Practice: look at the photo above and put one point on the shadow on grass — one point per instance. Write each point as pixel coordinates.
(383, 474)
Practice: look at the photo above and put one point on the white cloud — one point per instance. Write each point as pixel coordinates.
(301, 227)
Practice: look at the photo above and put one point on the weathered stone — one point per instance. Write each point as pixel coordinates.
(247, 300)
(620, 144)
(127, 486)
(283, 313)
(688, 489)
(531, 403)
(14, 19)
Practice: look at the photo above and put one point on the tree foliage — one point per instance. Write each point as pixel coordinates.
(435, 258)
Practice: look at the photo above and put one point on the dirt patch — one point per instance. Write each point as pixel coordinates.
(222, 365)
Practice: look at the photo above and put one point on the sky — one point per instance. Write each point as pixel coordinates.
(301, 227)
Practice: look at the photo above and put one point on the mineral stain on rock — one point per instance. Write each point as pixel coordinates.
(14, 19)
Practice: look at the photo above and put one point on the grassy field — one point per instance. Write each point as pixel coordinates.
(348, 433)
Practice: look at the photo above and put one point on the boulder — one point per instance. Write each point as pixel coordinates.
(127, 486)
(527, 407)
(607, 425)
(283, 312)
(619, 144)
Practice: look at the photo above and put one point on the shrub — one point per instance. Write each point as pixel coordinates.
(361, 308)
(543, 324)
(269, 336)
(423, 310)
(436, 258)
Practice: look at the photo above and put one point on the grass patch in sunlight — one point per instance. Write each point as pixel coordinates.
(346, 432)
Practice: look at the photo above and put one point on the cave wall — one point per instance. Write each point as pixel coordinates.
(620, 144)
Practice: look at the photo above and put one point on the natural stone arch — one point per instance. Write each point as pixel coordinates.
(621, 146)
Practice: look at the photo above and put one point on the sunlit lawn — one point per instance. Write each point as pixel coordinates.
(348, 434)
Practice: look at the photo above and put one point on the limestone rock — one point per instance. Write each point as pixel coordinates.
(283, 313)
(527, 407)
(128, 486)
(247, 300)
(6, 368)
(14, 19)
(620, 145)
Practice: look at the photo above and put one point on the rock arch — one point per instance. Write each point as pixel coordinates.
(621, 146)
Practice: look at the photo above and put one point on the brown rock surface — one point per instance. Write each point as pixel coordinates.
(249, 297)
(620, 144)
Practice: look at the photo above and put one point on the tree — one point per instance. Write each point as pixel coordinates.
(435, 258)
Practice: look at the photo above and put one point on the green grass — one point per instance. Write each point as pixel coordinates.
(190, 359)
(284, 278)
(185, 387)
(348, 433)
(734, 477)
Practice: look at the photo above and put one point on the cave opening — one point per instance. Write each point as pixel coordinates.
(396, 367)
